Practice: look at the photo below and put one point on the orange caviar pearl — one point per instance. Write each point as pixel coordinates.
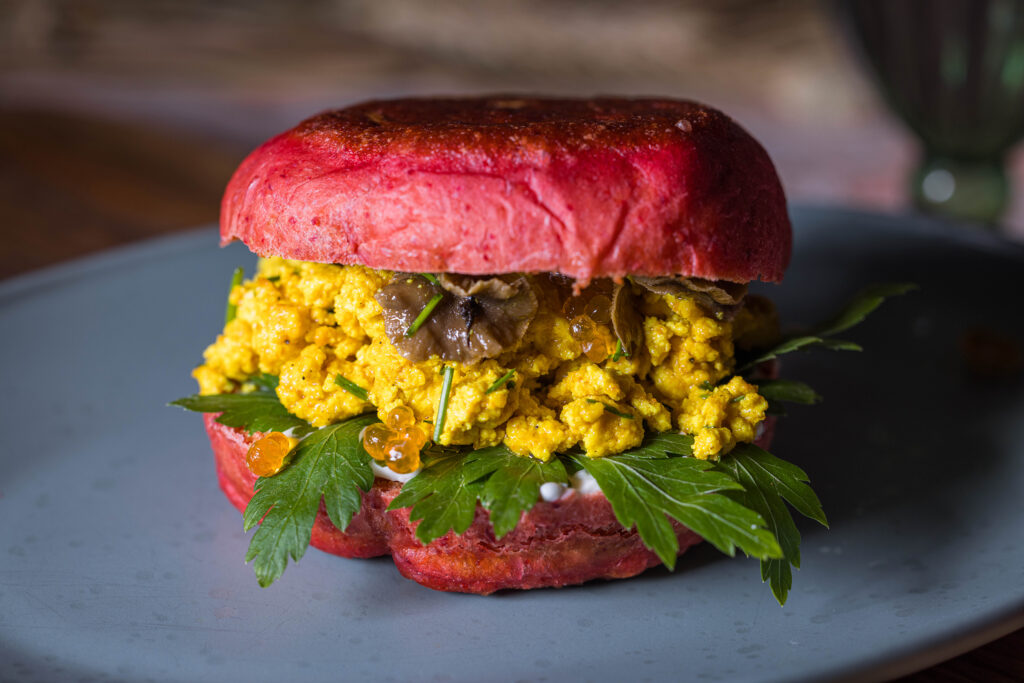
(414, 436)
(266, 455)
(574, 307)
(375, 441)
(401, 417)
(599, 309)
(398, 447)
(600, 345)
(403, 456)
(596, 340)
(582, 328)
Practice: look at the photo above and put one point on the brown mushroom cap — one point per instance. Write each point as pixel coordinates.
(476, 318)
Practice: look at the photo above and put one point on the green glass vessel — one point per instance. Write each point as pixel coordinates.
(953, 70)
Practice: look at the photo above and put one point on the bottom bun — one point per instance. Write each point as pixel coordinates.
(568, 541)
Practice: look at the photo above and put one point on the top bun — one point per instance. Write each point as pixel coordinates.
(587, 188)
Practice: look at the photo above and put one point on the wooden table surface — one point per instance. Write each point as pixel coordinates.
(71, 185)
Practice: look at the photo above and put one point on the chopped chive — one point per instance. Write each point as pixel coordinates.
(351, 387)
(232, 310)
(738, 398)
(442, 407)
(273, 278)
(620, 350)
(432, 279)
(500, 381)
(617, 413)
(611, 409)
(424, 314)
(705, 385)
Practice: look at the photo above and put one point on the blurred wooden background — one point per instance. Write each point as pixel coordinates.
(122, 119)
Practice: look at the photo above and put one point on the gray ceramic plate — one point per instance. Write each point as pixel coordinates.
(121, 560)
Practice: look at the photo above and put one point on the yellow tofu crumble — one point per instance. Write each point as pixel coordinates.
(309, 323)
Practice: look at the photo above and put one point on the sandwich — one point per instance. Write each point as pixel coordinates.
(508, 342)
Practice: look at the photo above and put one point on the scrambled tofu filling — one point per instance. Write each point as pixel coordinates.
(308, 323)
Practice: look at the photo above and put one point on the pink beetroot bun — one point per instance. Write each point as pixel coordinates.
(565, 542)
(587, 188)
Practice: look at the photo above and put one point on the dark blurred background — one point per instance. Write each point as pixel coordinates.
(123, 119)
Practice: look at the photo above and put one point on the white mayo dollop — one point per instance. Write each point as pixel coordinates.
(388, 473)
(583, 482)
(551, 491)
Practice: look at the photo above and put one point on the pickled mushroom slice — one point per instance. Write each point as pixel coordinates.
(626, 319)
(469, 286)
(476, 318)
(720, 296)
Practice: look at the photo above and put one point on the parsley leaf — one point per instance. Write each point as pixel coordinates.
(795, 344)
(330, 464)
(513, 483)
(257, 411)
(646, 486)
(789, 391)
(736, 503)
(265, 381)
(768, 481)
(442, 496)
(864, 303)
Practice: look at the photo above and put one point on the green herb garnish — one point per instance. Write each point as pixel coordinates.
(442, 406)
(611, 409)
(620, 351)
(741, 501)
(432, 279)
(232, 310)
(257, 411)
(424, 314)
(646, 486)
(330, 464)
(443, 496)
(788, 391)
(351, 387)
(655, 481)
(766, 482)
(863, 304)
(866, 301)
(265, 381)
(501, 381)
